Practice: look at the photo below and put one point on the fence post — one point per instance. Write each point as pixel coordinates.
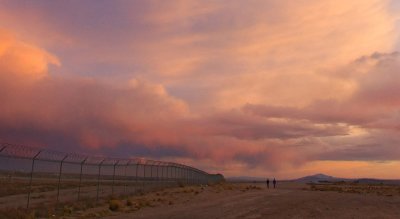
(80, 177)
(151, 173)
(190, 176)
(180, 174)
(144, 175)
(157, 176)
(30, 181)
(176, 175)
(98, 180)
(187, 175)
(136, 175)
(59, 177)
(162, 174)
(183, 174)
(126, 180)
(112, 187)
(168, 174)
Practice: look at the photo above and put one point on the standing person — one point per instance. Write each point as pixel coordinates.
(267, 183)
(274, 182)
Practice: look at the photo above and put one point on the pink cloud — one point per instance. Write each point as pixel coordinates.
(222, 85)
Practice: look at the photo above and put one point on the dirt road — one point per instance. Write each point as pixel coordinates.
(288, 201)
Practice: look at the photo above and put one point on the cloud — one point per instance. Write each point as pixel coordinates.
(244, 125)
(23, 60)
(84, 109)
(370, 114)
(230, 85)
(86, 114)
(374, 98)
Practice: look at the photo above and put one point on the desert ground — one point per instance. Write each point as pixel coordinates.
(245, 200)
(289, 200)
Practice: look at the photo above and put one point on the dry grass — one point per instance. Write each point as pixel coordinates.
(50, 210)
(18, 186)
(17, 213)
(221, 187)
(386, 190)
(23, 213)
(89, 208)
(115, 205)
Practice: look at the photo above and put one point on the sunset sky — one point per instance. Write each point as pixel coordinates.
(273, 88)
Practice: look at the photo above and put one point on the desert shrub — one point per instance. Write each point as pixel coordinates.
(45, 211)
(140, 192)
(84, 204)
(67, 210)
(129, 202)
(115, 205)
(181, 184)
(17, 213)
(145, 203)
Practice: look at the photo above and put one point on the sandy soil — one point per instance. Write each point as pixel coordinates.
(287, 201)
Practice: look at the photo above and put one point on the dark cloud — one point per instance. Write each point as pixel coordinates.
(247, 126)
(364, 152)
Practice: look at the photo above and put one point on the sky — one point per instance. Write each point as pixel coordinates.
(267, 88)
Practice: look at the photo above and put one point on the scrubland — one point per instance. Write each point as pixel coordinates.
(234, 200)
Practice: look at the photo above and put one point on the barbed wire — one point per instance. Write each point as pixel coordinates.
(29, 152)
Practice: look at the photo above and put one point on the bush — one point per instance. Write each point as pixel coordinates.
(129, 202)
(115, 205)
(181, 184)
(17, 213)
(67, 210)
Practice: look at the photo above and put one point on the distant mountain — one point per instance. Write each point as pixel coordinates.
(313, 178)
(378, 181)
(320, 178)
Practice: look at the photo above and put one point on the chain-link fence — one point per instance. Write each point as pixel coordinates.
(31, 176)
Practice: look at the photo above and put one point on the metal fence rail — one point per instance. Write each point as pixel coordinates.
(55, 176)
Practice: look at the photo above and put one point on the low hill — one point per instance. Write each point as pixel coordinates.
(320, 178)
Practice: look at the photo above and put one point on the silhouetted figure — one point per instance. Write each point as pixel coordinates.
(267, 183)
(274, 182)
